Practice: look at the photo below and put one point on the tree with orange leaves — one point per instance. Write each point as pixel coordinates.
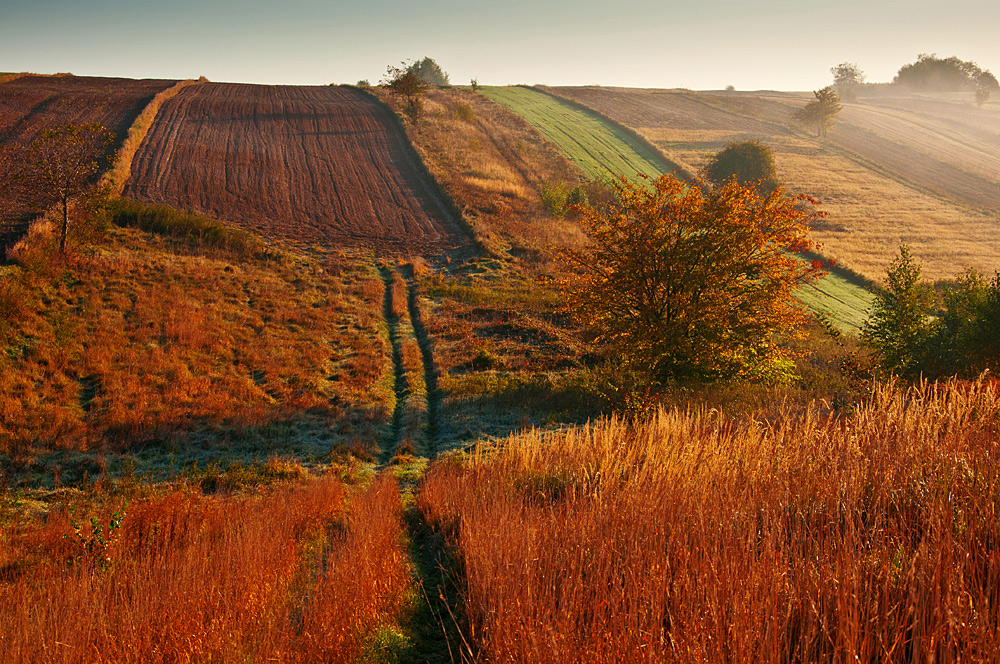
(688, 282)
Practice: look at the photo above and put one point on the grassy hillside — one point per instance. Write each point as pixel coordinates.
(596, 146)
(916, 169)
(176, 351)
(493, 164)
(794, 537)
(600, 148)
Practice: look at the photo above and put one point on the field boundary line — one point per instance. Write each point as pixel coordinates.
(116, 176)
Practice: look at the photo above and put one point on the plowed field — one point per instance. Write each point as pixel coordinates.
(923, 170)
(30, 104)
(314, 165)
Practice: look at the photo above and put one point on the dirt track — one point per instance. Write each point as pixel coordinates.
(30, 104)
(315, 165)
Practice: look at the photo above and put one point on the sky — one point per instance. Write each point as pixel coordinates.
(697, 44)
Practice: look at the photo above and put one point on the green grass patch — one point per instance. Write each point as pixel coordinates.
(595, 145)
(842, 301)
(200, 232)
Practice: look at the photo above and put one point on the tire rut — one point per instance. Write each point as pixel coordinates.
(427, 358)
(401, 387)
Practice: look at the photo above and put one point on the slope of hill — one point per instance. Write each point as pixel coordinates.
(29, 104)
(177, 351)
(596, 146)
(309, 164)
(907, 169)
(601, 149)
(493, 164)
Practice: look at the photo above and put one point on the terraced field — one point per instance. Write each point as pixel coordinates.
(314, 165)
(30, 104)
(599, 148)
(924, 170)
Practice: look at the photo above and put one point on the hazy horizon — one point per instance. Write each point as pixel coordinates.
(766, 44)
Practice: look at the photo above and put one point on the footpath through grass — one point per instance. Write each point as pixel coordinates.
(595, 145)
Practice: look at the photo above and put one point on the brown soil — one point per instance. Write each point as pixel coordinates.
(313, 165)
(31, 104)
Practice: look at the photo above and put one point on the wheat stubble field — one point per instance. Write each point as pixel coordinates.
(314, 165)
(914, 169)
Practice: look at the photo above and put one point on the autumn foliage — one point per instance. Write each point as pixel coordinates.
(686, 282)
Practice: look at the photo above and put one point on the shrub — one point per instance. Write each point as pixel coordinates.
(681, 282)
(463, 112)
(747, 162)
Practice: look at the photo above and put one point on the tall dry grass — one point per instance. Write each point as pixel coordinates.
(302, 574)
(697, 538)
(116, 177)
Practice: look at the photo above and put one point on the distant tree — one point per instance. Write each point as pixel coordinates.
(750, 163)
(930, 72)
(730, 88)
(687, 282)
(475, 84)
(62, 164)
(430, 72)
(821, 112)
(899, 326)
(363, 83)
(404, 82)
(847, 80)
(982, 96)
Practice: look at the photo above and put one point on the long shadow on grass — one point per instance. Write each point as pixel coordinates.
(436, 621)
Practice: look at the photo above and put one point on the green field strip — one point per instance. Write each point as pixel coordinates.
(845, 303)
(599, 148)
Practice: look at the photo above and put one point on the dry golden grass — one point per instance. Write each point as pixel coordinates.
(694, 537)
(492, 164)
(299, 574)
(143, 343)
(920, 170)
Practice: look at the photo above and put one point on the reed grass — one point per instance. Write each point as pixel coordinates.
(693, 537)
(304, 573)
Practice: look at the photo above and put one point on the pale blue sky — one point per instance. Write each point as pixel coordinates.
(757, 44)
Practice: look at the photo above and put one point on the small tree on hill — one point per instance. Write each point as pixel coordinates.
(62, 164)
(821, 112)
(430, 72)
(404, 82)
(899, 325)
(686, 282)
(847, 80)
(750, 163)
(982, 96)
